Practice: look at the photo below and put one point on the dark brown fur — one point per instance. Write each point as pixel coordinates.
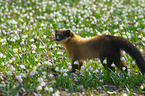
(102, 47)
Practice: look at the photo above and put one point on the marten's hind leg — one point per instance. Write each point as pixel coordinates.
(119, 63)
(107, 64)
(124, 65)
(107, 53)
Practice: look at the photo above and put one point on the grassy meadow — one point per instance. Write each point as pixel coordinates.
(32, 63)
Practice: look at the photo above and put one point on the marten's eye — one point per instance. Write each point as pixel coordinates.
(60, 37)
(66, 33)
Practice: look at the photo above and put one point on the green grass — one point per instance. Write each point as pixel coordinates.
(32, 63)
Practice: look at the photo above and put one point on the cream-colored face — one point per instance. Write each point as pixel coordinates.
(62, 35)
(64, 40)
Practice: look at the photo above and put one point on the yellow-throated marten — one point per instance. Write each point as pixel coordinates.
(102, 47)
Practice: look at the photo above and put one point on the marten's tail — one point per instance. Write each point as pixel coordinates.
(131, 50)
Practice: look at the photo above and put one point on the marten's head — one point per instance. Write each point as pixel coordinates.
(63, 35)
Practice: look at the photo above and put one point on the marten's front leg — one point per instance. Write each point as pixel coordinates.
(80, 64)
(75, 65)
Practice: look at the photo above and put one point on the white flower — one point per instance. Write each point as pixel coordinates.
(91, 69)
(105, 62)
(40, 80)
(133, 63)
(35, 67)
(33, 51)
(47, 62)
(91, 60)
(87, 69)
(136, 24)
(143, 39)
(124, 94)
(51, 76)
(63, 70)
(56, 69)
(54, 58)
(76, 63)
(69, 64)
(1, 55)
(142, 87)
(24, 36)
(57, 93)
(22, 66)
(15, 50)
(14, 86)
(122, 58)
(13, 58)
(128, 70)
(46, 88)
(9, 73)
(42, 24)
(115, 30)
(82, 67)
(2, 85)
(123, 52)
(10, 61)
(112, 65)
(19, 78)
(12, 39)
(123, 68)
(12, 68)
(39, 88)
(31, 40)
(36, 59)
(33, 46)
(3, 63)
(60, 53)
(44, 36)
(141, 50)
(42, 84)
(1, 78)
(4, 56)
(80, 87)
(44, 73)
(64, 74)
(50, 89)
(38, 64)
(41, 46)
(12, 21)
(111, 92)
(44, 76)
(23, 75)
(96, 71)
(22, 42)
(33, 72)
(69, 67)
(121, 27)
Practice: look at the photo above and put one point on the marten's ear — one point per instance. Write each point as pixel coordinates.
(68, 33)
(56, 31)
